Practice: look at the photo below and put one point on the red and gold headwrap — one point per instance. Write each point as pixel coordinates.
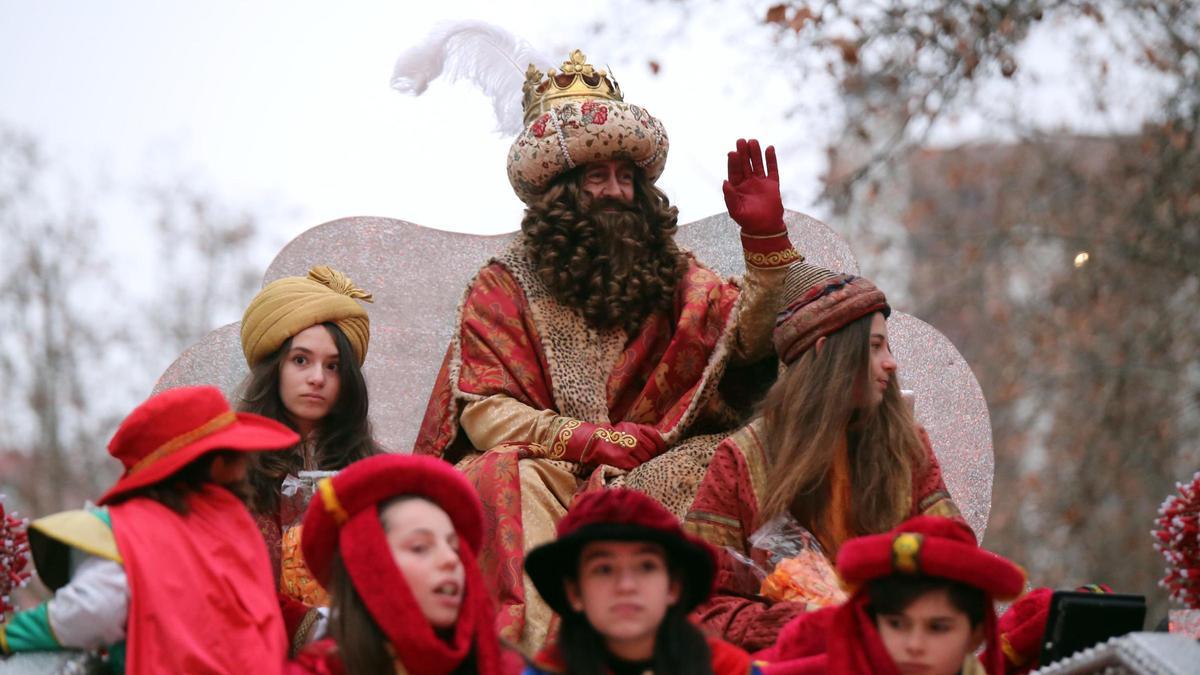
(343, 518)
(819, 304)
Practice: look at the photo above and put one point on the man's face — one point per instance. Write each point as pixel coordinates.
(610, 180)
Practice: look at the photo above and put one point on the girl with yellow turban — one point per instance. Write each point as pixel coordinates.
(305, 340)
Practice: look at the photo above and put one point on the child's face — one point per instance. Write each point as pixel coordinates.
(424, 545)
(624, 590)
(930, 637)
(309, 379)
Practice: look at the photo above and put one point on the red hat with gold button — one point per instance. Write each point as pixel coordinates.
(930, 546)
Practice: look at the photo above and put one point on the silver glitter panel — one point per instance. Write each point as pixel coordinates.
(418, 275)
(716, 243)
(1132, 654)
(950, 404)
(215, 360)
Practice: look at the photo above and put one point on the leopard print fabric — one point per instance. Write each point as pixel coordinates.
(579, 357)
(673, 477)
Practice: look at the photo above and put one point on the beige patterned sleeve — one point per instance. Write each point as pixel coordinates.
(500, 419)
(762, 295)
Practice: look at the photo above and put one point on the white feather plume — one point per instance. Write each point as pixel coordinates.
(479, 52)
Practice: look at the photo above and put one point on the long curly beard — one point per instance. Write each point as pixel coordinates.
(614, 263)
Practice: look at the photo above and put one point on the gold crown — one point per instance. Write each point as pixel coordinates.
(577, 79)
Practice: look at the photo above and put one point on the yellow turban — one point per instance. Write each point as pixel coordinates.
(290, 305)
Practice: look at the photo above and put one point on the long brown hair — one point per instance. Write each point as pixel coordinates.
(807, 415)
(614, 267)
(362, 646)
(342, 437)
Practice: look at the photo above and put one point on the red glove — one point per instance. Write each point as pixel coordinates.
(625, 445)
(752, 191)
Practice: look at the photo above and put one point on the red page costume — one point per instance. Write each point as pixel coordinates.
(172, 562)
(201, 597)
(344, 522)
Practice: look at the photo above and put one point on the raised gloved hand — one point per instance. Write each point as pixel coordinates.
(625, 445)
(752, 190)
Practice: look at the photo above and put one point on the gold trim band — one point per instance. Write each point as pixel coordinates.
(559, 448)
(1013, 657)
(330, 500)
(773, 259)
(616, 437)
(782, 233)
(219, 422)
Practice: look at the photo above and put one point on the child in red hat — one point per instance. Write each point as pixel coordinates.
(924, 603)
(394, 539)
(174, 571)
(622, 575)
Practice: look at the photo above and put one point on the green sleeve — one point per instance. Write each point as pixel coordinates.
(28, 631)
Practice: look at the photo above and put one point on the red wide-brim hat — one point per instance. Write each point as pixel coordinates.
(929, 546)
(620, 514)
(175, 427)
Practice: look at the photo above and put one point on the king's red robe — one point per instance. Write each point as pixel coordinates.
(522, 369)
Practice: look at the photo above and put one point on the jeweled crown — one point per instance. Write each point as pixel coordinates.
(576, 79)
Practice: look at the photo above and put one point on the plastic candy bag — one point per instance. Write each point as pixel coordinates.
(791, 565)
(295, 581)
(296, 492)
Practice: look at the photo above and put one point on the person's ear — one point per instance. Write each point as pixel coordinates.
(976, 637)
(674, 591)
(820, 344)
(573, 597)
(227, 469)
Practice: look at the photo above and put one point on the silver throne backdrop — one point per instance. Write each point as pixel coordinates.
(418, 276)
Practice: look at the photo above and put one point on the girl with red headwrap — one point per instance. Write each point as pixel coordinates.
(394, 539)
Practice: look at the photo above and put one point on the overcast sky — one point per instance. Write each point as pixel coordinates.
(285, 108)
(289, 101)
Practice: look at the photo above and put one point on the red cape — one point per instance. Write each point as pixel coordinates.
(201, 598)
(726, 659)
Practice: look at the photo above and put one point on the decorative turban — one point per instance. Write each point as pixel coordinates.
(820, 303)
(288, 306)
(575, 117)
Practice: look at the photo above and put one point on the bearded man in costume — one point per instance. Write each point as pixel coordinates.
(589, 353)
